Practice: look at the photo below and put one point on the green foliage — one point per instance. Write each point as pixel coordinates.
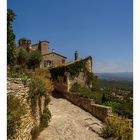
(117, 127)
(22, 56)
(94, 80)
(11, 50)
(86, 92)
(122, 106)
(24, 76)
(15, 109)
(112, 104)
(37, 88)
(35, 132)
(34, 59)
(45, 118)
(73, 69)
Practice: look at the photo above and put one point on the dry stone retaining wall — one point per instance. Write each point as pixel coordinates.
(16, 87)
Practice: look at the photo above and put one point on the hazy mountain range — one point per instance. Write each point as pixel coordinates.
(116, 76)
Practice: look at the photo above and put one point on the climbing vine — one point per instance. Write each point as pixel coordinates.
(73, 69)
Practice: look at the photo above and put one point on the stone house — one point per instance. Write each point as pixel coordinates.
(64, 83)
(49, 59)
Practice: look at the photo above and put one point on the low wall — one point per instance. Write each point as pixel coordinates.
(99, 111)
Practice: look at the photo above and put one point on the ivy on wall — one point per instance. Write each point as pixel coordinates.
(73, 69)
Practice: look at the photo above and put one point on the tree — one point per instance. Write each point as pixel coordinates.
(34, 59)
(11, 51)
(22, 56)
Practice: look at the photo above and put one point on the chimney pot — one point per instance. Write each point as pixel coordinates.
(76, 55)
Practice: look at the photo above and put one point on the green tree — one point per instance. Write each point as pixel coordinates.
(22, 56)
(34, 59)
(11, 51)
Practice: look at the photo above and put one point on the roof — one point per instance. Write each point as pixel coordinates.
(40, 41)
(72, 62)
(56, 54)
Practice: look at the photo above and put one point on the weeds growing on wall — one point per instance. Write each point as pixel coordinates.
(15, 109)
(44, 120)
(40, 86)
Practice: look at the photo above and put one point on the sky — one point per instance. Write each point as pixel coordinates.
(102, 29)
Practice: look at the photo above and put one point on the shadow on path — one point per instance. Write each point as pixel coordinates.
(57, 95)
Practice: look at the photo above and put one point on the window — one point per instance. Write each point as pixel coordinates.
(47, 63)
(63, 61)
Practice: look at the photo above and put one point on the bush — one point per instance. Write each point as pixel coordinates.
(22, 56)
(44, 75)
(37, 88)
(86, 92)
(24, 76)
(35, 132)
(117, 127)
(45, 118)
(15, 109)
(34, 59)
(112, 104)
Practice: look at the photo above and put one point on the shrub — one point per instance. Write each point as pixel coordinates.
(22, 56)
(15, 109)
(20, 74)
(45, 118)
(37, 88)
(86, 92)
(34, 59)
(112, 104)
(45, 76)
(35, 131)
(117, 127)
(94, 80)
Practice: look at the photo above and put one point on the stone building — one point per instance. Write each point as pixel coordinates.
(49, 59)
(64, 83)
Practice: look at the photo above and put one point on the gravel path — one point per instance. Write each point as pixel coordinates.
(70, 122)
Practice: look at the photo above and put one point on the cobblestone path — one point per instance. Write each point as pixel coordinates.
(70, 122)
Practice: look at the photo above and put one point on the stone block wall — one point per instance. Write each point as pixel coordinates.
(99, 111)
(17, 88)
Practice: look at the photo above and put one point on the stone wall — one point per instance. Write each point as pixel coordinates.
(32, 117)
(99, 111)
(65, 83)
(56, 59)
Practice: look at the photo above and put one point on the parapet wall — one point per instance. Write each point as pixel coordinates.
(99, 111)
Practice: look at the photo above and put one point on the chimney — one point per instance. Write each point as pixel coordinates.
(39, 46)
(76, 55)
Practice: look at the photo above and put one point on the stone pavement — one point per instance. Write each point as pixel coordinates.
(70, 122)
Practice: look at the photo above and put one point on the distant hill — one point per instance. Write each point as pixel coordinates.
(116, 76)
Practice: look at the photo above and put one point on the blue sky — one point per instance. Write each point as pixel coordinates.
(100, 28)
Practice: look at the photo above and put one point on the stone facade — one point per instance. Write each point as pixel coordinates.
(49, 59)
(52, 60)
(17, 88)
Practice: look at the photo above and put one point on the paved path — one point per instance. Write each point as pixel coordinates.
(69, 122)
